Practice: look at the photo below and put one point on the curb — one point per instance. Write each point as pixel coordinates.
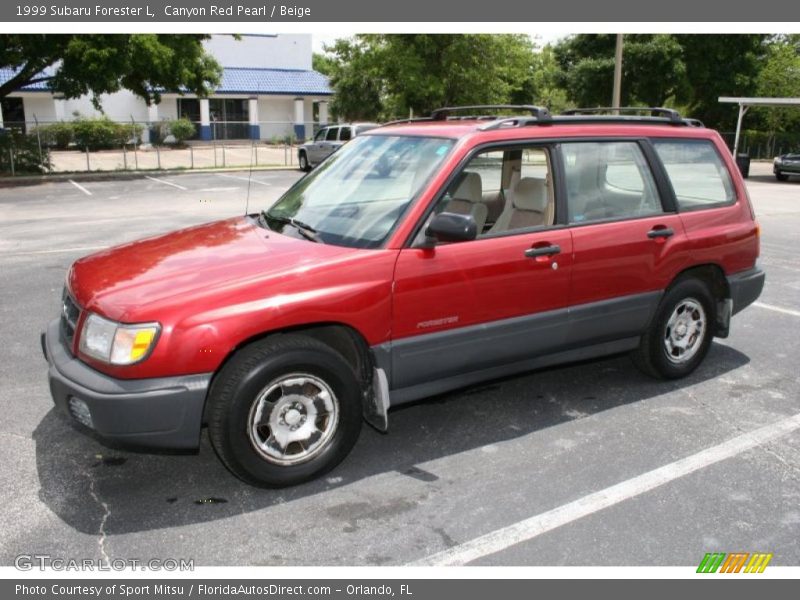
(27, 180)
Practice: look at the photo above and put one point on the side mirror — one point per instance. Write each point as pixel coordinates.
(452, 227)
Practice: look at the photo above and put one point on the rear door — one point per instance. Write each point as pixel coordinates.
(464, 308)
(628, 241)
(713, 205)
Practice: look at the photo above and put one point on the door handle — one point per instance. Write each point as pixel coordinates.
(542, 251)
(660, 232)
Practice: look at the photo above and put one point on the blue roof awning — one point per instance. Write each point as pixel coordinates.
(240, 80)
(41, 86)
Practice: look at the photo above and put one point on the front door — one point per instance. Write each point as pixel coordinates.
(502, 298)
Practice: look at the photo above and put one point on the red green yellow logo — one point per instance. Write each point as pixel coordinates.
(735, 562)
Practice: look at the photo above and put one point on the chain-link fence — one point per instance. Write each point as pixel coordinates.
(105, 145)
(762, 145)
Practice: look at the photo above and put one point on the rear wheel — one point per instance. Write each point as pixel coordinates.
(681, 332)
(302, 160)
(781, 176)
(284, 410)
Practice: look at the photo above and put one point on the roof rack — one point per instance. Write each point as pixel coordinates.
(540, 115)
(441, 114)
(655, 111)
(409, 120)
(657, 116)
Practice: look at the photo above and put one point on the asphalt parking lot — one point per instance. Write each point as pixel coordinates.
(525, 465)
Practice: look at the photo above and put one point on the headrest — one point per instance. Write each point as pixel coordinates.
(531, 194)
(470, 188)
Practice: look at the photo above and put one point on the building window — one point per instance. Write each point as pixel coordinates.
(230, 118)
(13, 113)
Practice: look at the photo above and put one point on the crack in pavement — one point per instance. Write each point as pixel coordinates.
(101, 532)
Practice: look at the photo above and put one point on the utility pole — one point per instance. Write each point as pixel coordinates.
(617, 95)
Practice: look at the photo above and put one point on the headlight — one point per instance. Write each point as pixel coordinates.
(116, 343)
(778, 160)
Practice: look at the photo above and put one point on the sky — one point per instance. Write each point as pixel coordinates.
(541, 38)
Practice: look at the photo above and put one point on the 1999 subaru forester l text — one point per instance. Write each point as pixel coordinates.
(423, 256)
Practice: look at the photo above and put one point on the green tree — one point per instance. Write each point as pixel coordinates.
(95, 64)
(381, 76)
(355, 77)
(719, 65)
(780, 78)
(322, 63)
(687, 71)
(652, 69)
(542, 86)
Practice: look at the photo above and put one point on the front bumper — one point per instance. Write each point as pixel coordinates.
(166, 412)
(745, 287)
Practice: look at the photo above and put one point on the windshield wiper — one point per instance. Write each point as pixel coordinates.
(304, 229)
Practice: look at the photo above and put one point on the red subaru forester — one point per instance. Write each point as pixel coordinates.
(424, 256)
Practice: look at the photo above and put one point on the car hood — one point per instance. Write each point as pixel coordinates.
(791, 156)
(120, 281)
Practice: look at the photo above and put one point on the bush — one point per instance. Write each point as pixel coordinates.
(23, 150)
(58, 135)
(283, 140)
(182, 130)
(100, 133)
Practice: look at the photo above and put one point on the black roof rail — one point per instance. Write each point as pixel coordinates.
(655, 111)
(540, 112)
(408, 120)
(541, 116)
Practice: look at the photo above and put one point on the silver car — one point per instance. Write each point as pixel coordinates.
(327, 141)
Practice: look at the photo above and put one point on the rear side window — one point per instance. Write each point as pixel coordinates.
(608, 181)
(345, 134)
(698, 175)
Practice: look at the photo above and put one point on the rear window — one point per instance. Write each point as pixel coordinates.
(698, 175)
(608, 180)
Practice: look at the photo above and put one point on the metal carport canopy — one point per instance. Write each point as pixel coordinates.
(745, 103)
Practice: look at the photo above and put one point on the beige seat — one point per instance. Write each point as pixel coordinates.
(529, 206)
(468, 199)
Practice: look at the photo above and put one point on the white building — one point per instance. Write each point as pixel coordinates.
(268, 89)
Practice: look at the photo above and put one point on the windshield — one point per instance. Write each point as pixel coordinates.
(357, 196)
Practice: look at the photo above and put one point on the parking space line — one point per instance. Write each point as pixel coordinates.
(180, 187)
(786, 311)
(528, 529)
(80, 187)
(244, 179)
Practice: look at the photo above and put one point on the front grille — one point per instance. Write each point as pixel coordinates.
(70, 312)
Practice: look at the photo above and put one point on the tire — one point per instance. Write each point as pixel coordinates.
(284, 410)
(781, 177)
(302, 161)
(679, 335)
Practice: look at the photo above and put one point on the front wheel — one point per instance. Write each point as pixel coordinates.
(781, 176)
(302, 160)
(680, 334)
(284, 410)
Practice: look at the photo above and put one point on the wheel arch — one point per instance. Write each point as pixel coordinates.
(342, 338)
(714, 277)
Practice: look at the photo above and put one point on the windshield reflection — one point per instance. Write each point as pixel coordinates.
(357, 195)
